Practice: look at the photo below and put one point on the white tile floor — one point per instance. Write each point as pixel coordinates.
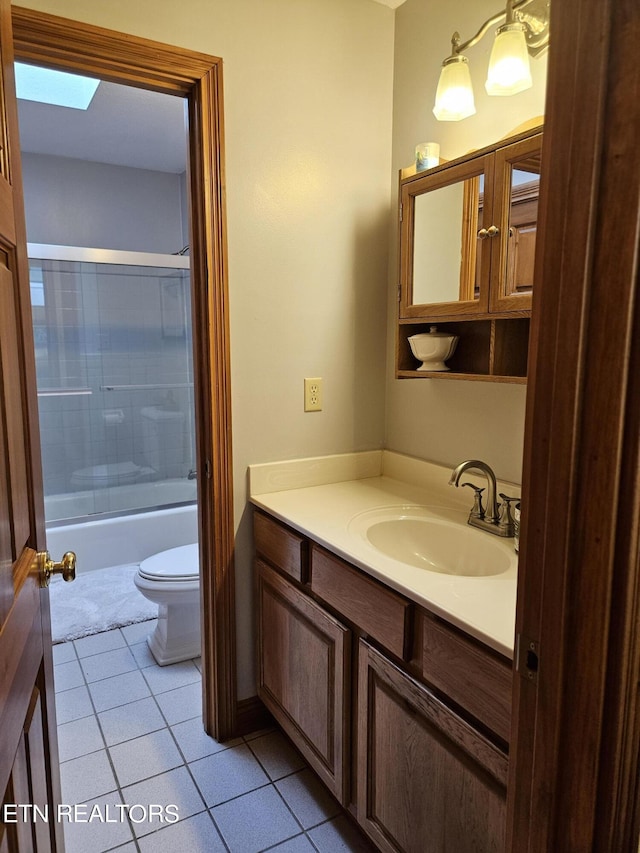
(131, 732)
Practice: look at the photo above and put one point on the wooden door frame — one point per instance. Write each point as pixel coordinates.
(121, 58)
(574, 760)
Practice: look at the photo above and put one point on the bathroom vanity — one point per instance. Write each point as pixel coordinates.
(399, 701)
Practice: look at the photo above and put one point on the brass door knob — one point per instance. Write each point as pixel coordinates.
(47, 567)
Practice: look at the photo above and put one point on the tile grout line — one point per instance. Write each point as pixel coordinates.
(246, 741)
(120, 787)
(108, 754)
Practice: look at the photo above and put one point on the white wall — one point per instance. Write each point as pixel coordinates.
(78, 203)
(450, 421)
(308, 104)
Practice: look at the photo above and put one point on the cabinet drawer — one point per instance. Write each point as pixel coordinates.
(475, 678)
(282, 547)
(382, 614)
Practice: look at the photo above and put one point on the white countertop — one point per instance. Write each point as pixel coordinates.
(484, 607)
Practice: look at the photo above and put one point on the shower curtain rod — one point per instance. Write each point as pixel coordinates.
(45, 252)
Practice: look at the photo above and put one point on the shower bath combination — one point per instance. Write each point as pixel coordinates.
(115, 376)
(114, 369)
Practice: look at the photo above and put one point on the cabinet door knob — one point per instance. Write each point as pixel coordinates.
(493, 230)
(483, 234)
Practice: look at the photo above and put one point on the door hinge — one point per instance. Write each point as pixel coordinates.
(400, 212)
(399, 293)
(208, 469)
(527, 657)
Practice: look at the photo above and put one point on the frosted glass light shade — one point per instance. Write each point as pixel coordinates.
(454, 96)
(509, 71)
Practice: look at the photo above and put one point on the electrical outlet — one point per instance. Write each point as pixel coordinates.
(313, 395)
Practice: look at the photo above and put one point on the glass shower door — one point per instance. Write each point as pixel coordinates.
(115, 381)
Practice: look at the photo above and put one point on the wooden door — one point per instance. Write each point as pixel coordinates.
(428, 782)
(28, 747)
(574, 782)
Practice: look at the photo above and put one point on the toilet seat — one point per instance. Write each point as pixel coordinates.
(176, 564)
(109, 474)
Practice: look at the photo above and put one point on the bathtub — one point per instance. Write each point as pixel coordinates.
(101, 542)
(77, 505)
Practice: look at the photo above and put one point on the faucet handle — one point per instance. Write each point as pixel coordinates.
(505, 519)
(477, 510)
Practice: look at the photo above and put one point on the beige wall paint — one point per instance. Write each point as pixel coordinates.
(308, 104)
(310, 86)
(447, 422)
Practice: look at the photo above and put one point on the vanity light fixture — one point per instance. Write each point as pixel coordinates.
(525, 32)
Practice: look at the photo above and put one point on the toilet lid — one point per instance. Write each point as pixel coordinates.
(176, 564)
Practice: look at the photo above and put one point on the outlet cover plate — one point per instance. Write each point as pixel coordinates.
(313, 394)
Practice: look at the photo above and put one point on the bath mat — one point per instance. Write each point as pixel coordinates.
(97, 601)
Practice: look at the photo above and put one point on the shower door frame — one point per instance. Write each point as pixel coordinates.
(68, 45)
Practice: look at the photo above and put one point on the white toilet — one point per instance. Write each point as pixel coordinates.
(171, 580)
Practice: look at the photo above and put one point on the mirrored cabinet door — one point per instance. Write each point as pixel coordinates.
(444, 270)
(517, 188)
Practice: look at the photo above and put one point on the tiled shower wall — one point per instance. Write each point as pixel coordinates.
(98, 326)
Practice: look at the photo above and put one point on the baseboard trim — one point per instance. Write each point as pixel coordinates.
(251, 716)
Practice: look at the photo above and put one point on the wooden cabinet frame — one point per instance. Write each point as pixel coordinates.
(494, 163)
(491, 322)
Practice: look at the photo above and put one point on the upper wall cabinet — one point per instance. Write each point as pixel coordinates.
(467, 247)
(467, 233)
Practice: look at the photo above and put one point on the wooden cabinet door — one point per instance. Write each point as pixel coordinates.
(427, 781)
(304, 676)
(444, 271)
(516, 192)
(28, 748)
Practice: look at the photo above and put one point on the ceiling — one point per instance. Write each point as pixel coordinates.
(123, 126)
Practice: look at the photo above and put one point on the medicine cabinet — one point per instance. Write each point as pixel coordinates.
(467, 246)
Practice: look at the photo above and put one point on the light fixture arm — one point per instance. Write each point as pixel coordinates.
(523, 32)
(510, 14)
(461, 47)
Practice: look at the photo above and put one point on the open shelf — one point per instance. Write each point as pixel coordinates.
(490, 350)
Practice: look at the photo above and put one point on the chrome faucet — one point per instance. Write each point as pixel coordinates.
(497, 517)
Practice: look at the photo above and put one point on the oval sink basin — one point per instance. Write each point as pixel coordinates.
(436, 544)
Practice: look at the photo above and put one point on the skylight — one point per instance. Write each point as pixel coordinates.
(54, 87)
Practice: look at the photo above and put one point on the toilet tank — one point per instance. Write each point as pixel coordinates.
(164, 441)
